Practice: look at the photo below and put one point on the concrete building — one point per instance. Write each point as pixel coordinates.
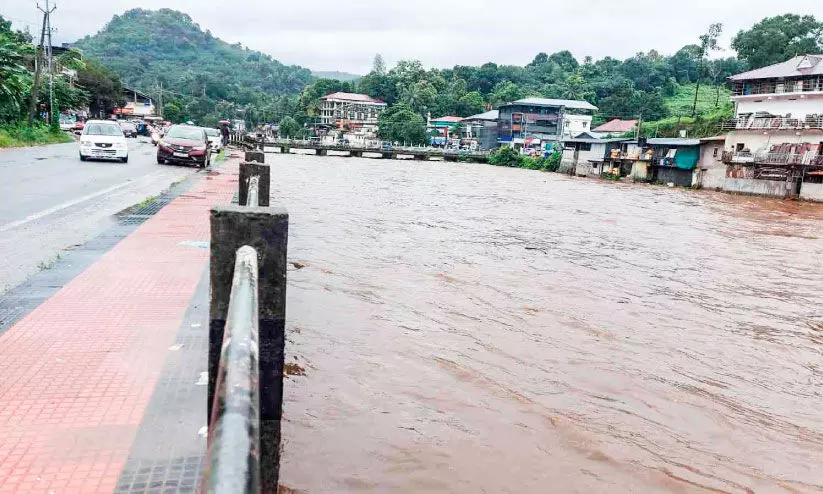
(586, 155)
(352, 112)
(574, 125)
(138, 104)
(711, 171)
(483, 127)
(775, 142)
(674, 160)
(442, 126)
(538, 121)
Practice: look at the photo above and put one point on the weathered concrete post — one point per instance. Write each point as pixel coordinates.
(266, 230)
(248, 170)
(257, 156)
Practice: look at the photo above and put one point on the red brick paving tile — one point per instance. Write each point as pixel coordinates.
(78, 372)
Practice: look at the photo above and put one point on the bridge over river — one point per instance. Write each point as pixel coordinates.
(420, 153)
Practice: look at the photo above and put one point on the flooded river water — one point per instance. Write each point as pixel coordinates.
(467, 328)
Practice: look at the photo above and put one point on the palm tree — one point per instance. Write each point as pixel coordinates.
(13, 75)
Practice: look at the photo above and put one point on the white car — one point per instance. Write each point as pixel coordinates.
(102, 139)
(215, 139)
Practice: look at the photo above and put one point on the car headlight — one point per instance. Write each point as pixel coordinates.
(85, 144)
(120, 145)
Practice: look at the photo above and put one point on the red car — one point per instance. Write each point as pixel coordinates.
(78, 127)
(184, 144)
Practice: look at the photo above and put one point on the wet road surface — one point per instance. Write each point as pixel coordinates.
(51, 201)
(467, 328)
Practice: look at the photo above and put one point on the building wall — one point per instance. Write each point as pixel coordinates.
(574, 125)
(677, 176)
(811, 191)
(640, 171)
(798, 106)
(749, 186)
(763, 140)
(596, 153)
(711, 171)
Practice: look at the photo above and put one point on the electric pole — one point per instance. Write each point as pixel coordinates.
(35, 90)
(44, 49)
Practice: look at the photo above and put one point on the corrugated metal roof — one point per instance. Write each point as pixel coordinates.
(811, 65)
(489, 115)
(365, 98)
(568, 103)
(617, 125)
(713, 139)
(449, 118)
(671, 141)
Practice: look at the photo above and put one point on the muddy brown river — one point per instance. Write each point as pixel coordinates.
(468, 328)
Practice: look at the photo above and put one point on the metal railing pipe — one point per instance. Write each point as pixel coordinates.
(254, 187)
(234, 438)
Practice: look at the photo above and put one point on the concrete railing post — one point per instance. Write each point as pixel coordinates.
(256, 156)
(265, 230)
(248, 170)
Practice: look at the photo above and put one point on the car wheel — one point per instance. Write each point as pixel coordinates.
(83, 158)
(125, 160)
(160, 161)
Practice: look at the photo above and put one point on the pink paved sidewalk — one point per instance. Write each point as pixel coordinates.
(78, 372)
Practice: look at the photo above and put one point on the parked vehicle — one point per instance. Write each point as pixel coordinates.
(102, 139)
(129, 129)
(184, 144)
(66, 124)
(215, 139)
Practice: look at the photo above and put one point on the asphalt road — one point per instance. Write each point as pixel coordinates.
(50, 201)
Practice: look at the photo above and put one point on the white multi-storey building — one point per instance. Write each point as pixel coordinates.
(775, 143)
(356, 113)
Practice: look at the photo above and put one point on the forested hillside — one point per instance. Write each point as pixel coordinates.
(202, 76)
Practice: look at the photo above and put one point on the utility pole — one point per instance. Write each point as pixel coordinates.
(45, 36)
(639, 125)
(160, 107)
(37, 63)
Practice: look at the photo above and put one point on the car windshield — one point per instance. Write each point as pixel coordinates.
(212, 132)
(183, 132)
(103, 129)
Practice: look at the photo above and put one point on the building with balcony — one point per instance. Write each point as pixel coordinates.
(674, 160)
(775, 142)
(539, 121)
(351, 112)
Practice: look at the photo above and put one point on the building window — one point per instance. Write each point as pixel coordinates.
(714, 154)
(586, 146)
(739, 146)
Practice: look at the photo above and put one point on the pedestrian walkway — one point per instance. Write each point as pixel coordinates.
(80, 370)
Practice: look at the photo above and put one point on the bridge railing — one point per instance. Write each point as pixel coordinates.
(246, 338)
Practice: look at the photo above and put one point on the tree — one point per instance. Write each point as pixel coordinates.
(777, 39)
(400, 124)
(470, 104)
(565, 60)
(708, 42)
(539, 59)
(506, 92)
(14, 78)
(105, 92)
(288, 127)
(379, 65)
(173, 112)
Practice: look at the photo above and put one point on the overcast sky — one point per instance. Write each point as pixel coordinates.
(345, 35)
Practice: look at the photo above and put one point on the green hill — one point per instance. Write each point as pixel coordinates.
(149, 48)
(683, 99)
(337, 76)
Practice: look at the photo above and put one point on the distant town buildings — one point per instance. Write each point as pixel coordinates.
(356, 113)
(541, 120)
(615, 128)
(138, 104)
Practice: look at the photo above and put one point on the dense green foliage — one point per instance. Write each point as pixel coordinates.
(401, 124)
(204, 77)
(16, 86)
(289, 127)
(776, 39)
(29, 135)
(510, 157)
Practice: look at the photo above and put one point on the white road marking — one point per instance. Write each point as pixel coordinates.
(59, 207)
(73, 202)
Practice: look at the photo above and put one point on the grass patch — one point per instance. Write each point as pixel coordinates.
(48, 264)
(682, 100)
(35, 135)
(145, 202)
